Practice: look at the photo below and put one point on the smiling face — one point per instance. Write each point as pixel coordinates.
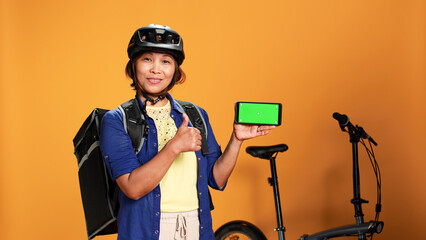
(154, 72)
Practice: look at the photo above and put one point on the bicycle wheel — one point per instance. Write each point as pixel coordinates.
(239, 230)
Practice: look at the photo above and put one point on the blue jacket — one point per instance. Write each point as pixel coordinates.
(140, 219)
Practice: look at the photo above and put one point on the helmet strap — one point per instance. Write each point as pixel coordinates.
(150, 99)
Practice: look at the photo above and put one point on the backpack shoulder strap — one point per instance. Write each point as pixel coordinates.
(134, 123)
(196, 119)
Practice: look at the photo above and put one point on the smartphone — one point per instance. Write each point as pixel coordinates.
(259, 113)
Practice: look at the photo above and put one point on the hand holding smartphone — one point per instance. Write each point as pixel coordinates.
(258, 113)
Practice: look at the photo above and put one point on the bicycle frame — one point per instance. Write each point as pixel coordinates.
(349, 230)
(360, 228)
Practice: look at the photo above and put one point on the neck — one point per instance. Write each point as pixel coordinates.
(149, 100)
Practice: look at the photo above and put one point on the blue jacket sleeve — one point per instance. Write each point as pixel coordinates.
(116, 145)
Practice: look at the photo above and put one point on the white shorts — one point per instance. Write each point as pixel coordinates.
(180, 226)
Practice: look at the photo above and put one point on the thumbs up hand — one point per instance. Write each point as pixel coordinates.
(187, 139)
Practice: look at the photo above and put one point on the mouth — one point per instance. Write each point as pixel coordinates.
(154, 80)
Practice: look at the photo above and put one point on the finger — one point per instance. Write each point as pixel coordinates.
(262, 133)
(185, 120)
(197, 132)
(196, 135)
(265, 128)
(198, 146)
(195, 146)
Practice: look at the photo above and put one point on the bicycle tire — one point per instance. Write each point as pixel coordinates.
(239, 230)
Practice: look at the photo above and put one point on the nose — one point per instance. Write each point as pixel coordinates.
(155, 67)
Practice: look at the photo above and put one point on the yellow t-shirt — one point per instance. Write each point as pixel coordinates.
(179, 185)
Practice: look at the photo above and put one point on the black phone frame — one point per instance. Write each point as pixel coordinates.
(236, 115)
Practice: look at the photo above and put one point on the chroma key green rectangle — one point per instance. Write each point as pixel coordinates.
(258, 113)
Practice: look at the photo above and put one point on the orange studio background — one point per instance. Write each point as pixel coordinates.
(61, 59)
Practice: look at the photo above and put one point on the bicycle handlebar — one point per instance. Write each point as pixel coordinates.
(354, 229)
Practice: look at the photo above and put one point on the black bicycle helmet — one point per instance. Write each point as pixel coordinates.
(156, 37)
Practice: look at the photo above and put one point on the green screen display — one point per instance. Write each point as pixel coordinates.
(259, 113)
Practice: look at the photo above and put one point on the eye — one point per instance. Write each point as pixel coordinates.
(147, 59)
(167, 60)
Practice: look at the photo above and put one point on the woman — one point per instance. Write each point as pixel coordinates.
(164, 187)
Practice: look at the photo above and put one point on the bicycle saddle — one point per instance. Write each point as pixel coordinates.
(266, 152)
